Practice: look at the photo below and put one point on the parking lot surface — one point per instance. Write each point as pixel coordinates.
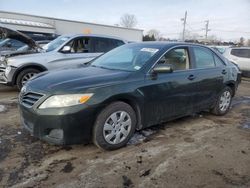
(202, 150)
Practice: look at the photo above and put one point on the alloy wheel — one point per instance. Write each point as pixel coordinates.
(27, 77)
(225, 100)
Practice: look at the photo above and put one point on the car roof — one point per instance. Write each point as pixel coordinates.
(92, 35)
(164, 44)
(244, 47)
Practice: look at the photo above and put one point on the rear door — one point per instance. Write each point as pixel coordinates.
(210, 75)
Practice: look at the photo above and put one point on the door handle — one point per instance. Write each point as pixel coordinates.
(191, 77)
(224, 71)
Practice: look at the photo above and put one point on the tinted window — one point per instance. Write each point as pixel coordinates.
(118, 43)
(218, 61)
(105, 44)
(241, 53)
(203, 58)
(177, 58)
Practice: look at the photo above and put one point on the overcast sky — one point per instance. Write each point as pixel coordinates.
(228, 19)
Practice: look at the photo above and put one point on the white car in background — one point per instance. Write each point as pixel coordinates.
(241, 57)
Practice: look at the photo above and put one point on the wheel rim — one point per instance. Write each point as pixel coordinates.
(225, 100)
(27, 77)
(117, 127)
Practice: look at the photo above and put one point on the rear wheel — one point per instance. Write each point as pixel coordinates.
(25, 76)
(223, 102)
(114, 126)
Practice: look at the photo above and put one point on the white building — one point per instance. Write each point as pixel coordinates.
(46, 25)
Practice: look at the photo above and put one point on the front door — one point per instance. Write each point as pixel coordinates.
(170, 95)
(81, 51)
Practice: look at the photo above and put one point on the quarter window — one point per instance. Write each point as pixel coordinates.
(218, 61)
(241, 53)
(177, 58)
(203, 58)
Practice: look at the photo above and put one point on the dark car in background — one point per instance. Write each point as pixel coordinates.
(131, 87)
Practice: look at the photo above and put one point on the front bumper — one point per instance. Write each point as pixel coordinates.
(75, 123)
(7, 79)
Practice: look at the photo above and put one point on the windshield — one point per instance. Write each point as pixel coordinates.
(4, 41)
(55, 43)
(127, 57)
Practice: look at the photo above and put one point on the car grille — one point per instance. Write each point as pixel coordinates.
(29, 99)
(2, 69)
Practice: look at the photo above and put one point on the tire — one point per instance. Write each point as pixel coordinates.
(25, 73)
(102, 135)
(223, 102)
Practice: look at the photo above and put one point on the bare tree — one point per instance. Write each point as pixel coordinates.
(242, 40)
(155, 33)
(128, 20)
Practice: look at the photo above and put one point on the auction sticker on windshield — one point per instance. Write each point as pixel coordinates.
(151, 50)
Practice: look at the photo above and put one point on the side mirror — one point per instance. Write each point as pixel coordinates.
(162, 68)
(66, 49)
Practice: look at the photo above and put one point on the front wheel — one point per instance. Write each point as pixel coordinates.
(114, 126)
(223, 102)
(24, 76)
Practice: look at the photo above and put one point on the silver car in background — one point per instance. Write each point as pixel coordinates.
(241, 57)
(64, 52)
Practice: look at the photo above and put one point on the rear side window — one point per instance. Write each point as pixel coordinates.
(203, 58)
(105, 44)
(241, 53)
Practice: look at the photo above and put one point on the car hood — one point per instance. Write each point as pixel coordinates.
(75, 80)
(9, 33)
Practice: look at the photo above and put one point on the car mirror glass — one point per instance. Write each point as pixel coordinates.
(66, 49)
(163, 68)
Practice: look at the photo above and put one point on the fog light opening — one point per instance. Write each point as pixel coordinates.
(56, 134)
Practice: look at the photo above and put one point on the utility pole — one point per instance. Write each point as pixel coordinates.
(184, 25)
(206, 29)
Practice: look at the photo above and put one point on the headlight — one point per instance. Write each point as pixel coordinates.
(7, 70)
(58, 101)
(2, 58)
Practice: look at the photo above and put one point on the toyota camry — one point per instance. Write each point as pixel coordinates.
(129, 88)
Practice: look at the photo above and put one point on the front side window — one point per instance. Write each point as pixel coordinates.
(203, 58)
(245, 53)
(177, 58)
(81, 45)
(127, 58)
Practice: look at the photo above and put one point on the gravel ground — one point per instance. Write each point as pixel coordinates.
(196, 151)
